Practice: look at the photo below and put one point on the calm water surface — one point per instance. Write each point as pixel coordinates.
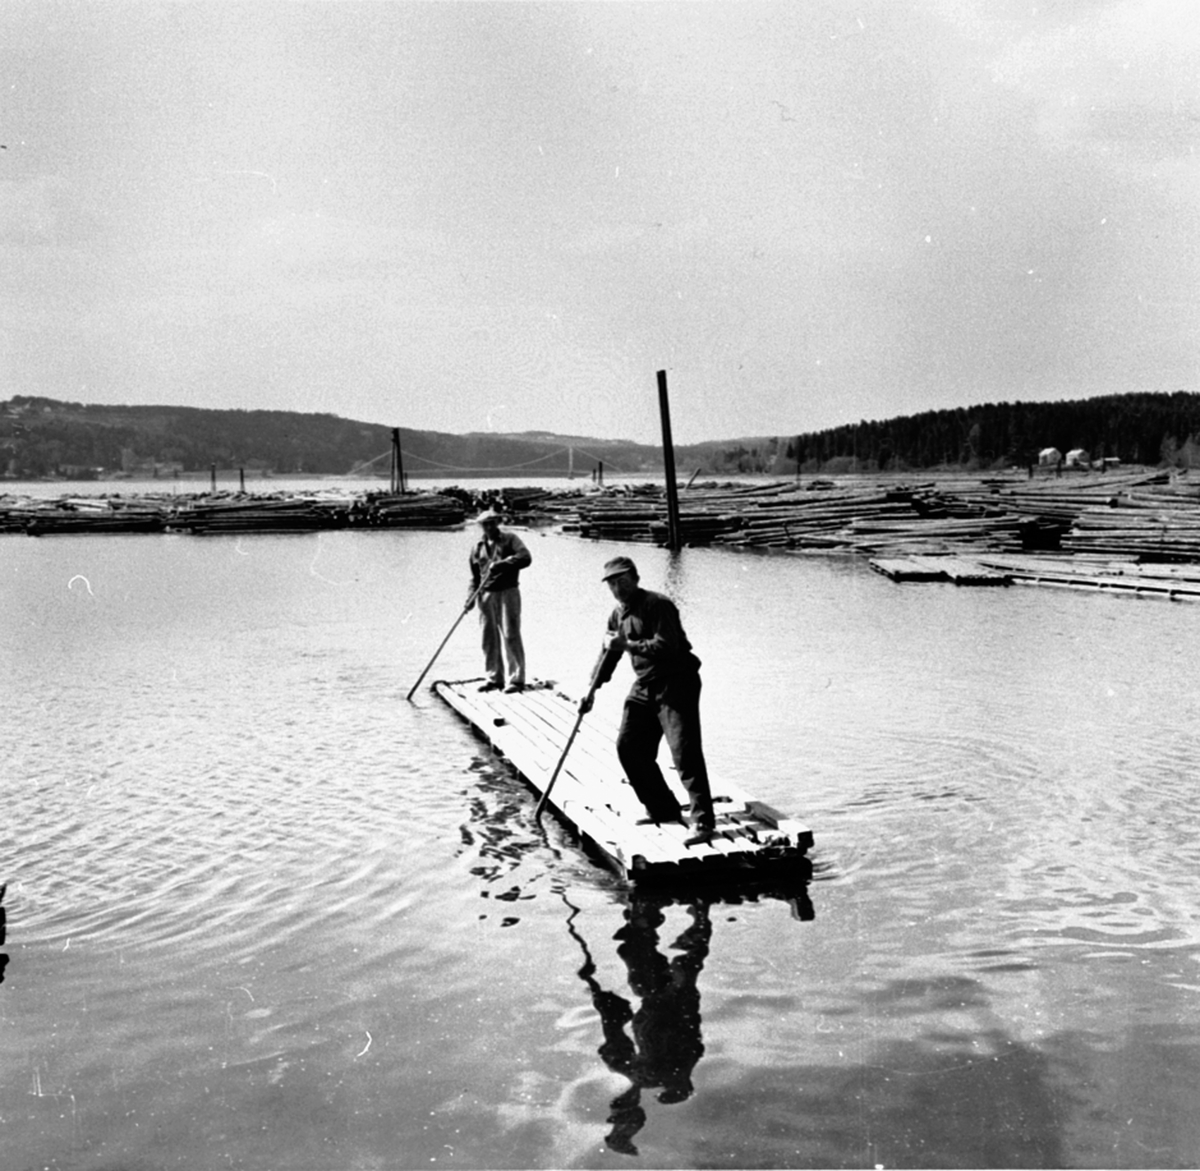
(265, 914)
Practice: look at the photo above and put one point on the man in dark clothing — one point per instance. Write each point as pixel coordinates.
(664, 1041)
(496, 561)
(664, 699)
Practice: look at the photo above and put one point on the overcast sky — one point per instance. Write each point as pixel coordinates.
(486, 216)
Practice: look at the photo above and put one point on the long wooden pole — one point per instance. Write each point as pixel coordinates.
(664, 408)
(584, 707)
(483, 576)
(537, 813)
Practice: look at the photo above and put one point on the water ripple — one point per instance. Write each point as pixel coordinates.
(248, 881)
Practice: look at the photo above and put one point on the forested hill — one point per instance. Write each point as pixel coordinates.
(1139, 428)
(46, 437)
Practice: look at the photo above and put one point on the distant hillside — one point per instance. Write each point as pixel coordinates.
(46, 437)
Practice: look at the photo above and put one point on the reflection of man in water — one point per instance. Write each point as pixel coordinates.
(665, 1043)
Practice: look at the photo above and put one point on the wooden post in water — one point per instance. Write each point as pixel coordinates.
(242, 480)
(664, 409)
(397, 463)
(212, 471)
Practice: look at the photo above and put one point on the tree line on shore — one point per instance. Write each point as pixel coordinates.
(47, 437)
(1138, 428)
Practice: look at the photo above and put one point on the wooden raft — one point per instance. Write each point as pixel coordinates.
(591, 794)
(959, 570)
(1175, 582)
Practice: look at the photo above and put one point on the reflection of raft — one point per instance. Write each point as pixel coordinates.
(592, 795)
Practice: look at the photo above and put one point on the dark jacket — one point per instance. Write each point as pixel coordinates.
(658, 648)
(508, 547)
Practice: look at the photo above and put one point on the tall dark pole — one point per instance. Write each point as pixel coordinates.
(397, 462)
(664, 409)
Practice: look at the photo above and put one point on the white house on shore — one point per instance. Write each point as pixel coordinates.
(1049, 457)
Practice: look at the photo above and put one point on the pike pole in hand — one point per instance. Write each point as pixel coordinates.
(585, 706)
(483, 577)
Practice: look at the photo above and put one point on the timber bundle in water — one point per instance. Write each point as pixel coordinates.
(1135, 514)
(1147, 515)
(240, 513)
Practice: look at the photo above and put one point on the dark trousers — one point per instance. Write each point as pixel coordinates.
(670, 709)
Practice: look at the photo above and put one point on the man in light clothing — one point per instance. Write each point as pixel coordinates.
(496, 562)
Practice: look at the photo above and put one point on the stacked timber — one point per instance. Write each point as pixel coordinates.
(933, 535)
(866, 517)
(695, 528)
(892, 516)
(409, 510)
(1152, 535)
(561, 509)
(621, 514)
(1152, 516)
(207, 513)
(1057, 500)
(520, 504)
(239, 514)
(1156, 521)
(800, 519)
(515, 503)
(783, 515)
(11, 519)
(614, 521)
(84, 515)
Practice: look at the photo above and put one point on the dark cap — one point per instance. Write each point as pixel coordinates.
(618, 566)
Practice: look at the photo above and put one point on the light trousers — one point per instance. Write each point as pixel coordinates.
(500, 626)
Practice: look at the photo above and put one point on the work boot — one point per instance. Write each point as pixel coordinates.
(661, 816)
(703, 829)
